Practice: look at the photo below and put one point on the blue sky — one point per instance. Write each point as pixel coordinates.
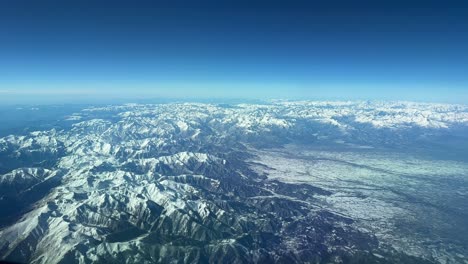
(398, 50)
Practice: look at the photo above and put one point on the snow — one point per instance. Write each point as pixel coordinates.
(98, 155)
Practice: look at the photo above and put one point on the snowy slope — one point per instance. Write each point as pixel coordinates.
(153, 183)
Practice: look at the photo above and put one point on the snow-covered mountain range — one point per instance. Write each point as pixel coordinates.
(147, 183)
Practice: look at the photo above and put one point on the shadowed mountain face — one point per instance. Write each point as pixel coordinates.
(285, 182)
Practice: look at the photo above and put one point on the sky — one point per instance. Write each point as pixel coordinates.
(326, 50)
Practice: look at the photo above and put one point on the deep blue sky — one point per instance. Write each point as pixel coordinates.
(409, 50)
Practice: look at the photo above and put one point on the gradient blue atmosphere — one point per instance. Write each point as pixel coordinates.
(79, 51)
